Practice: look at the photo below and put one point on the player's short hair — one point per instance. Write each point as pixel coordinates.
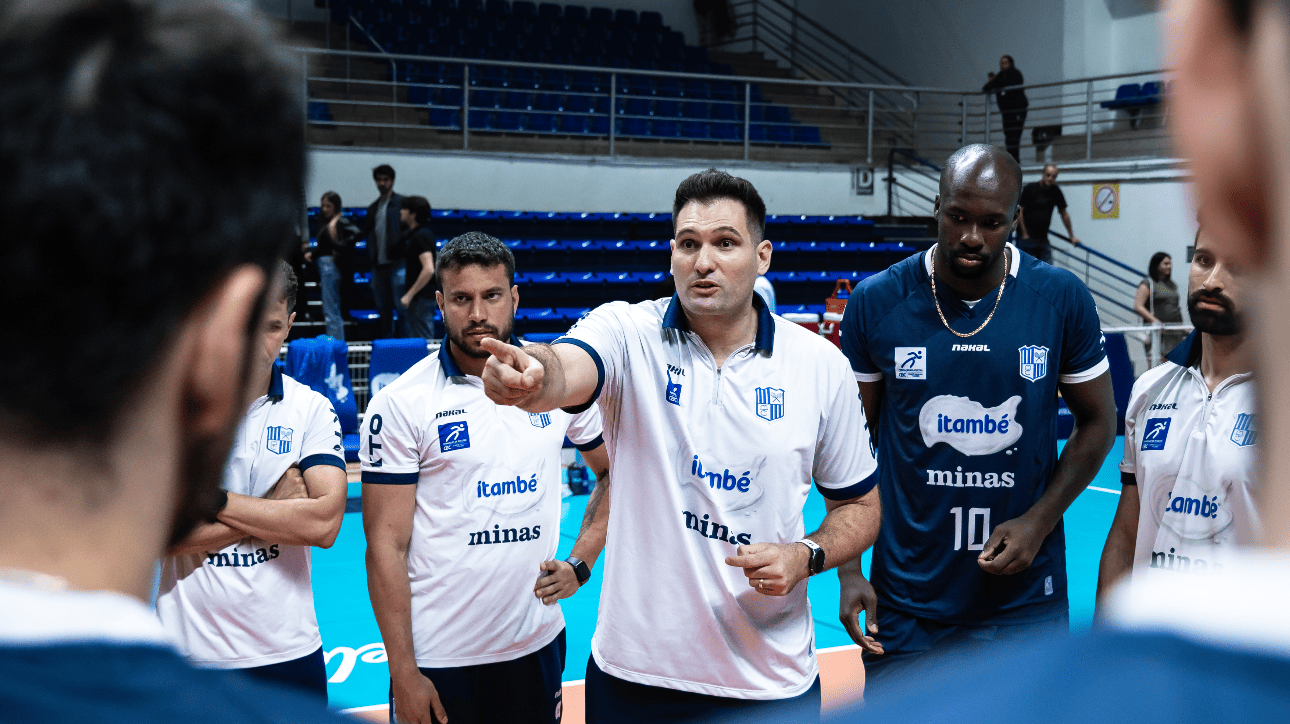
(1002, 158)
(384, 169)
(290, 285)
(708, 186)
(476, 247)
(420, 208)
(176, 137)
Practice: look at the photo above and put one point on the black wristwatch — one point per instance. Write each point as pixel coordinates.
(580, 569)
(219, 508)
(816, 563)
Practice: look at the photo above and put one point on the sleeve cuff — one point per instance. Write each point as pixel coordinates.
(1128, 467)
(850, 491)
(600, 373)
(374, 478)
(585, 446)
(321, 459)
(1095, 371)
(868, 376)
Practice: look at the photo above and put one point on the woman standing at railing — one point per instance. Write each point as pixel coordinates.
(334, 238)
(1013, 103)
(1157, 301)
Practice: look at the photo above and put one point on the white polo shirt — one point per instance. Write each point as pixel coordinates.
(705, 459)
(1194, 457)
(487, 513)
(252, 603)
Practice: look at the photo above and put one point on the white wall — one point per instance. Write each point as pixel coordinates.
(454, 180)
(1108, 37)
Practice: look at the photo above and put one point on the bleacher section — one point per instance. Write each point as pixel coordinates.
(567, 263)
(556, 102)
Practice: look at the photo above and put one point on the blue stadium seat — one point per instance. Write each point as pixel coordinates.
(545, 278)
(1125, 96)
(523, 9)
(598, 125)
(481, 119)
(650, 277)
(516, 100)
(725, 90)
(665, 128)
(556, 80)
(779, 134)
(582, 278)
(484, 99)
(619, 278)
(634, 107)
(600, 16)
(694, 129)
(651, 19)
(696, 89)
(547, 102)
(571, 314)
(694, 109)
(445, 118)
(778, 114)
(535, 314)
(667, 109)
(585, 82)
(540, 122)
(524, 79)
(632, 127)
(625, 17)
(667, 87)
(807, 135)
(1152, 92)
(725, 111)
(573, 124)
(391, 358)
(728, 131)
(574, 15)
(543, 337)
(756, 133)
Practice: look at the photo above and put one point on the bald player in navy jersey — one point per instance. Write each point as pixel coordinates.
(960, 353)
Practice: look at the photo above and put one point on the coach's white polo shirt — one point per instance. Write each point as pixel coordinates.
(252, 603)
(704, 459)
(488, 508)
(1193, 454)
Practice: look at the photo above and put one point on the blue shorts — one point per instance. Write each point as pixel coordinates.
(913, 644)
(307, 673)
(520, 691)
(611, 700)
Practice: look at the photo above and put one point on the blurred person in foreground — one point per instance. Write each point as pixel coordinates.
(176, 135)
(1221, 644)
(1188, 471)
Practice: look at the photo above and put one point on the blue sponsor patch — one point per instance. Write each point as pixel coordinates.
(1155, 433)
(453, 436)
(1244, 433)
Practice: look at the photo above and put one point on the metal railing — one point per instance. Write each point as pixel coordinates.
(450, 99)
(919, 179)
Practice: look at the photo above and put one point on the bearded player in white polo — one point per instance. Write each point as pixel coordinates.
(718, 415)
(236, 593)
(461, 505)
(1189, 433)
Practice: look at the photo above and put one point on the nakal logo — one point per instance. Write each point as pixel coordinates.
(770, 403)
(1244, 433)
(1034, 362)
(453, 436)
(539, 419)
(1157, 432)
(279, 440)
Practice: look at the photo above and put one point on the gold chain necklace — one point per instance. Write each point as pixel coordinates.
(937, 301)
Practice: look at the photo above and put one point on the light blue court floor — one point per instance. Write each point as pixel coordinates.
(352, 641)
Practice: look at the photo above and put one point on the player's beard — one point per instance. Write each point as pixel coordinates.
(1208, 321)
(981, 270)
(458, 337)
(204, 457)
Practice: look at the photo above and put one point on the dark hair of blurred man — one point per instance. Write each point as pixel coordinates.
(1188, 648)
(176, 136)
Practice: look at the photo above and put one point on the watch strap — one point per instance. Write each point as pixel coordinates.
(815, 564)
(580, 569)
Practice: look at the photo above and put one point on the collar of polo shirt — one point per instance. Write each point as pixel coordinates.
(763, 342)
(275, 384)
(1187, 353)
(450, 368)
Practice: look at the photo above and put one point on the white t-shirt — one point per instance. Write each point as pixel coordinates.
(1194, 457)
(488, 508)
(705, 459)
(252, 603)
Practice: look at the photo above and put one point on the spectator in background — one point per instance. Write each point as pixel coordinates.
(334, 238)
(1157, 301)
(419, 246)
(384, 248)
(1037, 203)
(1012, 103)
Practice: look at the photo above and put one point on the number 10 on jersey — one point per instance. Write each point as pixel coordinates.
(973, 515)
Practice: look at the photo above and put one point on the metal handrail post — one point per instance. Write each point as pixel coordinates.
(987, 118)
(613, 101)
(963, 123)
(869, 130)
(747, 118)
(1088, 123)
(465, 107)
(1156, 336)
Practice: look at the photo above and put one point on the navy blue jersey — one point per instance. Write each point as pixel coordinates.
(967, 437)
(137, 684)
(1109, 678)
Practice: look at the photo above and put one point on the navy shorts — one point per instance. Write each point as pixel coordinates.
(307, 673)
(520, 691)
(611, 700)
(913, 644)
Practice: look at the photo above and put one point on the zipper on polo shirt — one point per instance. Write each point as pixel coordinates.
(716, 389)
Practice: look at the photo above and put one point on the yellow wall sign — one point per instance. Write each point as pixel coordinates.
(1106, 201)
